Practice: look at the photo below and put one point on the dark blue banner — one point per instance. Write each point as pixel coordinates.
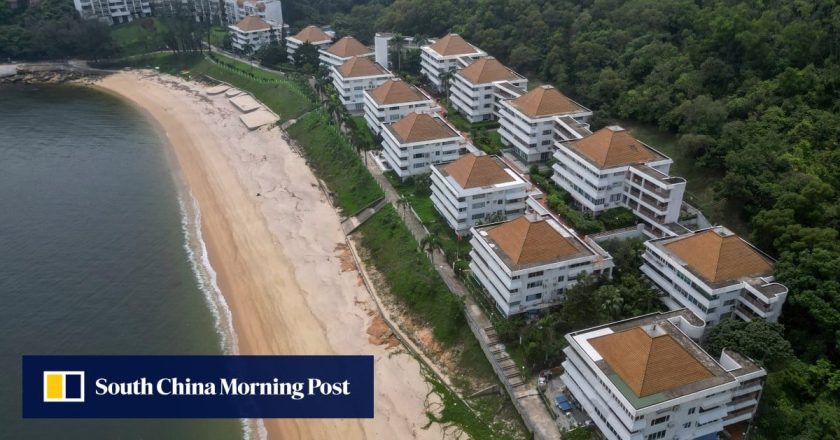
(198, 386)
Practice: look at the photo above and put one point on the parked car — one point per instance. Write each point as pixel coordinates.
(563, 404)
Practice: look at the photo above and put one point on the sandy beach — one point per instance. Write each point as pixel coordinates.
(278, 251)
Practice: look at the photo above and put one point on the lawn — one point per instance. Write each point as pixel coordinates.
(217, 35)
(334, 160)
(139, 36)
(700, 188)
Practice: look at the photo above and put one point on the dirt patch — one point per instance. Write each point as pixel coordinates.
(345, 256)
(380, 334)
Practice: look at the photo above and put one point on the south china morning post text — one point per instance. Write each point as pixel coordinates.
(197, 386)
(173, 386)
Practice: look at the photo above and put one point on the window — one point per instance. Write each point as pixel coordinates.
(662, 419)
(657, 435)
(538, 273)
(691, 411)
(561, 278)
(534, 284)
(533, 297)
(478, 216)
(687, 425)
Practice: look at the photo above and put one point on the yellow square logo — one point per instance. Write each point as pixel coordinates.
(64, 386)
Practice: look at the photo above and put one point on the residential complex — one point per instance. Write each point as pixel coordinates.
(252, 33)
(352, 78)
(342, 51)
(527, 122)
(477, 189)
(478, 89)
(645, 379)
(419, 140)
(716, 275)
(392, 100)
(114, 11)
(610, 168)
(441, 58)
(527, 264)
(268, 10)
(310, 34)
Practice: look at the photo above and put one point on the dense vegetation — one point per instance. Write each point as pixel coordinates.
(335, 161)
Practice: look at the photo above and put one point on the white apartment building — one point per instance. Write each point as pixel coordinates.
(645, 379)
(716, 275)
(610, 168)
(418, 141)
(352, 78)
(527, 122)
(527, 264)
(477, 189)
(113, 11)
(252, 33)
(269, 10)
(439, 59)
(342, 51)
(478, 89)
(310, 34)
(391, 101)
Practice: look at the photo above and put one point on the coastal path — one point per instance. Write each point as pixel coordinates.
(523, 394)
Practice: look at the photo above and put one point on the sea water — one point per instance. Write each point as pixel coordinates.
(99, 253)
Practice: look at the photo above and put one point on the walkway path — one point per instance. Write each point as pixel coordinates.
(524, 395)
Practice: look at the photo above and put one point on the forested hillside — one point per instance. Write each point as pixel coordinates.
(752, 88)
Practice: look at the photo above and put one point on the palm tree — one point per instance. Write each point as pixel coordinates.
(430, 244)
(398, 43)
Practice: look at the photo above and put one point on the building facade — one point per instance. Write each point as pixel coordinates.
(478, 89)
(252, 33)
(310, 34)
(352, 78)
(477, 189)
(114, 12)
(527, 123)
(645, 379)
(610, 168)
(419, 140)
(342, 51)
(716, 275)
(527, 264)
(441, 58)
(268, 10)
(393, 100)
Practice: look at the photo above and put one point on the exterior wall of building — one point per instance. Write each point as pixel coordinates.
(477, 101)
(532, 139)
(682, 289)
(520, 291)
(114, 11)
(465, 208)
(293, 44)
(255, 39)
(653, 197)
(268, 10)
(433, 65)
(351, 91)
(377, 115)
(416, 158)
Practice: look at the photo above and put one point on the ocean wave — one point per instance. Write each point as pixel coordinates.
(206, 278)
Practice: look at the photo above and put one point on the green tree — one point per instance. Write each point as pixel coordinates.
(760, 340)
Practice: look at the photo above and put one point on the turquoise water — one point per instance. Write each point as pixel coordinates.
(92, 252)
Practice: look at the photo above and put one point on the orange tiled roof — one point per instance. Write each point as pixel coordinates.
(487, 70)
(312, 34)
(395, 91)
(544, 101)
(360, 66)
(471, 171)
(649, 364)
(453, 44)
(718, 258)
(348, 47)
(419, 127)
(613, 146)
(527, 242)
(252, 23)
